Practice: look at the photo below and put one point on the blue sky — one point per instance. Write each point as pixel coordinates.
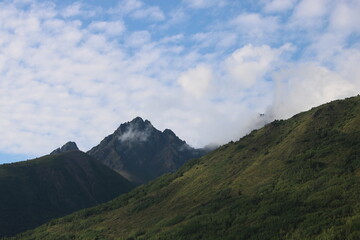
(75, 70)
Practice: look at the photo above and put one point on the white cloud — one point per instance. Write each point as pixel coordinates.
(205, 3)
(310, 14)
(109, 28)
(72, 10)
(48, 80)
(75, 78)
(154, 13)
(177, 16)
(138, 39)
(127, 6)
(250, 64)
(338, 33)
(77, 9)
(279, 5)
(172, 39)
(132, 135)
(307, 85)
(198, 3)
(220, 40)
(345, 17)
(137, 10)
(254, 27)
(196, 81)
(346, 64)
(311, 9)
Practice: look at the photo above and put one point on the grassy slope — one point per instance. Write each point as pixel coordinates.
(293, 179)
(36, 191)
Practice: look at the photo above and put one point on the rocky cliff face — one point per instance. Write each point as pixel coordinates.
(140, 152)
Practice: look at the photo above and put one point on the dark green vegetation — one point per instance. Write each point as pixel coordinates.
(36, 191)
(141, 153)
(293, 179)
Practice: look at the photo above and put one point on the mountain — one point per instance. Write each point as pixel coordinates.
(140, 152)
(35, 191)
(67, 147)
(293, 179)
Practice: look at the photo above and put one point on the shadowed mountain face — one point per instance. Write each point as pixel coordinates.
(140, 152)
(35, 191)
(293, 179)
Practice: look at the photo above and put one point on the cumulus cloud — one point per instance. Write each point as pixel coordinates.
(72, 10)
(154, 13)
(311, 14)
(254, 28)
(126, 6)
(112, 28)
(308, 9)
(344, 17)
(49, 77)
(219, 40)
(279, 5)
(65, 77)
(250, 64)
(196, 81)
(138, 39)
(137, 10)
(307, 85)
(205, 3)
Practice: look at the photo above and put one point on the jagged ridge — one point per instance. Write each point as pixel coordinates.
(67, 147)
(140, 152)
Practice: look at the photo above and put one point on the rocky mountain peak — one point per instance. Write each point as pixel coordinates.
(171, 136)
(137, 124)
(67, 147)
(137, 120)
(140, 152)
(169, 132)
(135, 131)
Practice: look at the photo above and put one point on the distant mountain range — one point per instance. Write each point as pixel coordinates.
(292, 179)
(35, 191)
(140, 152)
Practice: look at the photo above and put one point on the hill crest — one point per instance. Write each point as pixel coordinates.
(292, 179)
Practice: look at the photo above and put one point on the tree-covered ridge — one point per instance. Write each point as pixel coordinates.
(292, 179)
(35, 191)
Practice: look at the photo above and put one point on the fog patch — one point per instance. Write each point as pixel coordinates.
(185, 147)
(135, 135)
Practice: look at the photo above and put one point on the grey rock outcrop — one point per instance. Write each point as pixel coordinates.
(67, 147)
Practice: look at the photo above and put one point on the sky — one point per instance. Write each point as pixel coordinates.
(207, 69)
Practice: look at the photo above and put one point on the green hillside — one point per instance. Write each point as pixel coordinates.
(36, 191)
(293, 179)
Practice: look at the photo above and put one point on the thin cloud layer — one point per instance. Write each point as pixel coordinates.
(75, 72)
